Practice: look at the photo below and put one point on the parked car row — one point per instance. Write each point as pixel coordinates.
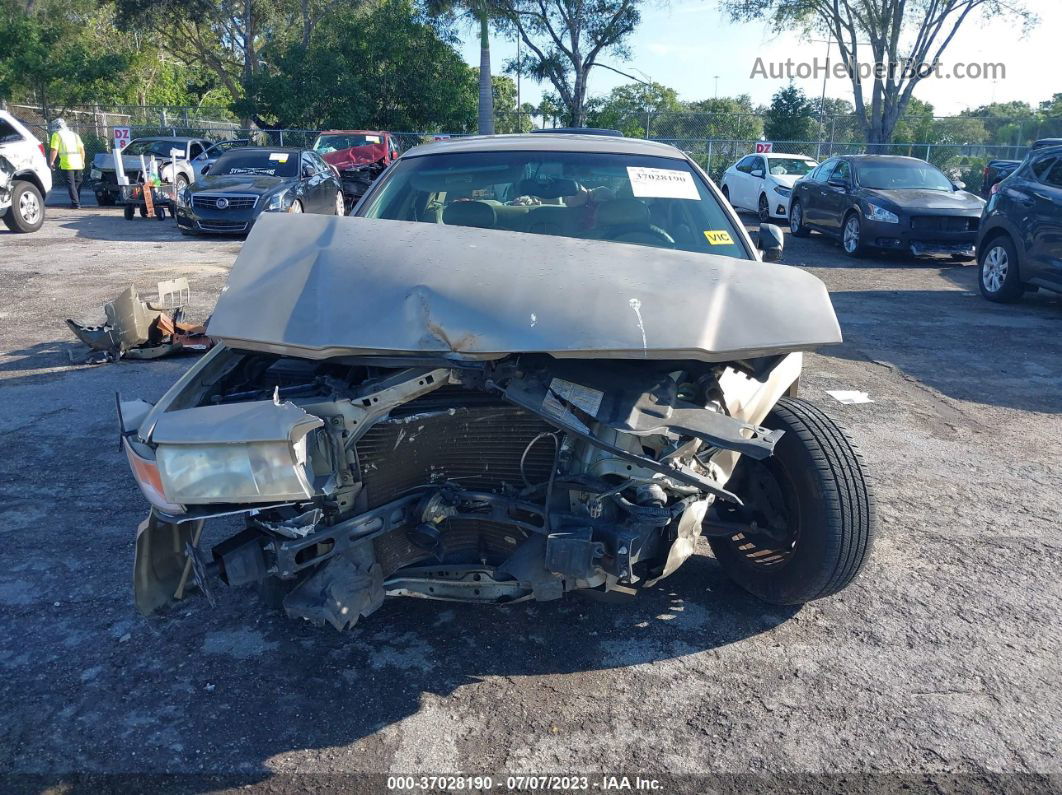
(906, 205)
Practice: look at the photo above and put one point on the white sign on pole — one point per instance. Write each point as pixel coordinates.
(764, 147)
(121, 137)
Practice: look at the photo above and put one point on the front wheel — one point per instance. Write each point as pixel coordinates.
(998, 276)
(26, 213)
(796, 221)
(852, 236)
(764, 208)
(808, 515)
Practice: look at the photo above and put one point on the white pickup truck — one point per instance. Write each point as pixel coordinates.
(25, 178)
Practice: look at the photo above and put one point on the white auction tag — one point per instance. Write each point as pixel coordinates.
(662, 183)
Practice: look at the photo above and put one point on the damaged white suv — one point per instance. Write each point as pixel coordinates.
(533, 364)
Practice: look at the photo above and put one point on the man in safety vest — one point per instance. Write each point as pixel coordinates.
(67, 145)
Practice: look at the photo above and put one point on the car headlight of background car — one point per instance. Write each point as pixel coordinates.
(877, 213)
(95, 174)
(278, 201)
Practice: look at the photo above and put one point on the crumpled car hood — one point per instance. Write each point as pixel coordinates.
(318, 286)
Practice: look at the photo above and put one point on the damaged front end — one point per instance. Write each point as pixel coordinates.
(495, 481)
(389, 417)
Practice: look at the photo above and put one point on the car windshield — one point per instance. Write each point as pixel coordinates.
(790, 166)
(145, 146)
(257, 162)
(901, 176)
(333, 143)
(653, 201)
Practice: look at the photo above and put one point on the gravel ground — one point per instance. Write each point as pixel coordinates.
(942, 658)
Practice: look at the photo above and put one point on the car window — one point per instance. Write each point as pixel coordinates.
(147, 147)
(1053, 175)
(790, 166)
(822, 173)
(1041, 167)
(195, 150)
(901, 175)
(8, 133)
(745, 164)
(333, 142)
(843, 171)
(759, 164)
(640, 199)
(320, 162)
(256, 162)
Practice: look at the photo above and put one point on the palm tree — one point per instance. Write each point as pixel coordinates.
(476, 12)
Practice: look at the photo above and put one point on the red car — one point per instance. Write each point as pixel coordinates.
(358, 155)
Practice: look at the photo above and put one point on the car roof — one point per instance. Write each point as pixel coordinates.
(882, 159)
(289, 149)
(559, 142)
(168, 138)
(578, 131)
(352, 132)
(769, 155)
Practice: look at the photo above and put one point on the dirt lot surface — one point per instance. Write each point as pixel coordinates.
(943, 657)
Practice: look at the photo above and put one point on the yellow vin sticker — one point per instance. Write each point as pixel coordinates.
(718, 237)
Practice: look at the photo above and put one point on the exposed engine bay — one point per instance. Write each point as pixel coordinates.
(502, 481)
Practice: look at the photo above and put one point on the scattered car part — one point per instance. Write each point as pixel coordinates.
(136, 329)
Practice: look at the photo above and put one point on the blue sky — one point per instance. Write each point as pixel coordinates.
(686, 44)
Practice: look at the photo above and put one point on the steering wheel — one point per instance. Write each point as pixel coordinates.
(635, 233)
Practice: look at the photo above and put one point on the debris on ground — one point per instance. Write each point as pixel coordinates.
(849, 396)
(138, 329)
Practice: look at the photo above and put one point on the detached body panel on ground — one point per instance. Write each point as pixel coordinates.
(434, 406)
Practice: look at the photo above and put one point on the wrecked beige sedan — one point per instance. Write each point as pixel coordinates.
(437, 409)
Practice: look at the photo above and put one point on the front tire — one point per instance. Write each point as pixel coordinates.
(764, 209)
(105, 199)
(796, 221)
(26, 213)
(997, 276)
(852, 236)
(726, 195)
(815, 497)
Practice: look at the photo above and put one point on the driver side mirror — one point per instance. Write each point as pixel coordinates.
(308, 171)
(758, 173)
(837, 182)
(770, 242)
(958, 184)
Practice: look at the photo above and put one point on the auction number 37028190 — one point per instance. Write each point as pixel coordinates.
(520, 783)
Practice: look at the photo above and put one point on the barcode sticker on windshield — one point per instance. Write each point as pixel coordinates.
(662, 183)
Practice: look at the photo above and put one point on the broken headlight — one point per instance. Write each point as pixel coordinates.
(268, 471)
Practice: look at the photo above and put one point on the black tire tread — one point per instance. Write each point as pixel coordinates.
(848, 489)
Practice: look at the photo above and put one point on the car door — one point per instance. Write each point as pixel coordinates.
(738, 183)
(757, 175)
(330, 184)
(1044, 252)
(836, 197)
(813, 194)
(310, 179)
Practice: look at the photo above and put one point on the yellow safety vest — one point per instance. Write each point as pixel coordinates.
(68, 143)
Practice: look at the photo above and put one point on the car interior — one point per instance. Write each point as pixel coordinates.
(553, 194)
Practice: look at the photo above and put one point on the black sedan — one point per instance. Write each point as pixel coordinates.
(246, 182)
(1020, 242)
(883, 202)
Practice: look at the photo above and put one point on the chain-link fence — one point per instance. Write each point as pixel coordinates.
(715, 140)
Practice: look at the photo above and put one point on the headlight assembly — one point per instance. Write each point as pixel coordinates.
(781, 190)
(277, 201)
(197, 474)
(876, 213)
(95, 174)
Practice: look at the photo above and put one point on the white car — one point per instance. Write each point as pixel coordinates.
(763, 182)
(25, 178)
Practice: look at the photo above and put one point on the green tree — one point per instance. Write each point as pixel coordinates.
(479, 14)
(507, 117)
(790, 116)
(631, 107)
(357, 73)
(60, 54)
(906, 40)
(720, 118)
(565, 39)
